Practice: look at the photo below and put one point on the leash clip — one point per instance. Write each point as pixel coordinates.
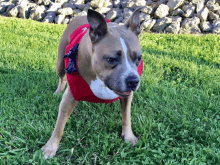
(72, 56)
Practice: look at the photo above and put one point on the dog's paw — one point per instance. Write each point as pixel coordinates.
(49, 149)
(130, 137)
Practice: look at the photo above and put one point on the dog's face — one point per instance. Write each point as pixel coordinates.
(116, 53)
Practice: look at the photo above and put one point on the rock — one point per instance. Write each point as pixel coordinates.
(59, 19)
(188, 10)
(161, 24)
(137, 3)
(8, 9)
(99, 3)
(24, 12)
(37, 13)
(212, 16)
(118, 20)
(65, 11)
(148, 10)
(4, 6)
(211, 5)
(83, 6)
(144, 17)
(60, 1)
(82, 13)
(66, 21)
(148, 24)
(173, 28)
(206, 26)
(116, 3)
(54, 7)
(127, 12)
(218, 11)
(203, 14)
(14, 11)
(103, 10)
(176, 19)
(162, 11)
(190, 22)
(111, 15)
(199, 4)
(49, 17)
(190, 30)
(177, 12)
(174, 4)
(216, 26)
(77, 11)
(67, 4)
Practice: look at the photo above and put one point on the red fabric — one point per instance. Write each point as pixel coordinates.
(78, 86)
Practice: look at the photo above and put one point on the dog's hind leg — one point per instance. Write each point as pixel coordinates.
(60, 64)
(67, 106)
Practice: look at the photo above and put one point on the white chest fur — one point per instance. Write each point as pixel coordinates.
(101, 91)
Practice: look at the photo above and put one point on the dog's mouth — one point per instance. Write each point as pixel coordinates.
(123, 94)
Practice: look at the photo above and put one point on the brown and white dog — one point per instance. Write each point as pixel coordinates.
(117, 71)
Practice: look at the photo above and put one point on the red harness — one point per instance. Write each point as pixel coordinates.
(78, 86)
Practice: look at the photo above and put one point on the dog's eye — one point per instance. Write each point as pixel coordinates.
(111, 60)
(138, 60)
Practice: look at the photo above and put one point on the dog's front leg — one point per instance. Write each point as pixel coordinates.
(67, 106)
(127, 133)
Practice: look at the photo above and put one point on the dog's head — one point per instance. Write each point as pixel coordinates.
(116, 52)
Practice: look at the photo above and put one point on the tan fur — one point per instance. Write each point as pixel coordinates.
(89, 73)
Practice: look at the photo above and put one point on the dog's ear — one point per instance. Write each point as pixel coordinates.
(98, 26)
(133, 22)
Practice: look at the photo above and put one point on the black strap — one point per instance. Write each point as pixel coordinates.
(72, 56)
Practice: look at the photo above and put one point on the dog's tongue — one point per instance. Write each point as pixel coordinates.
(126, 93)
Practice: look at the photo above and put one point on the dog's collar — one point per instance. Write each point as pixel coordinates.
(72, 56)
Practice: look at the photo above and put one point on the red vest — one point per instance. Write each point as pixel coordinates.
(78, 86)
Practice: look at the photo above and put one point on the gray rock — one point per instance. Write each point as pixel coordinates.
(148, 10)
(188, 10)
(49, 17)
(4, 6)
(82, 13)
(112, 15)
(190, 22)
(206, 26)
(66, 21)
(177, 12)
(59, 19)
(37, 13)
(99, 3)
(161, 24)
(203, 14)
(137, 3)
(212, 16)
(77, 11)
(103, 10)
(174, 4)
(54, 7)
(173, 28)
(148, 24)
(118, 20)
(216, 26)
(190, 30)
(144, 17)
(65, 11)
(127, 12)
(83, 6)
(116, 3)
(60, 1)
(218, 11)
(67, 4)
(162, 11)
(176, 19)
(14, 11)
(24, 12)
(8, 9)
(199, 4)
(211, 5)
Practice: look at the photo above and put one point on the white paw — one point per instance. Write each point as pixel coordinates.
(49, 149)
(130, 137)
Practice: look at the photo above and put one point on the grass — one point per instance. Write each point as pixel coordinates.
(175, 113)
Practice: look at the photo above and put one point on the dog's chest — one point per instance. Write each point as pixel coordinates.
(101, 91)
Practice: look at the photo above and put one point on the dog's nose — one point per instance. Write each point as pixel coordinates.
(132, 82)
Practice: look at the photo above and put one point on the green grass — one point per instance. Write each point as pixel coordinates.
(175, 113)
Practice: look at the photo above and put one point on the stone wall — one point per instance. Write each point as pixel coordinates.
(161, 16)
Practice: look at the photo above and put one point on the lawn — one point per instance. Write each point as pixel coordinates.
(175, 113)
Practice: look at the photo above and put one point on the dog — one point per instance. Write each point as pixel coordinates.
(106, 64)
